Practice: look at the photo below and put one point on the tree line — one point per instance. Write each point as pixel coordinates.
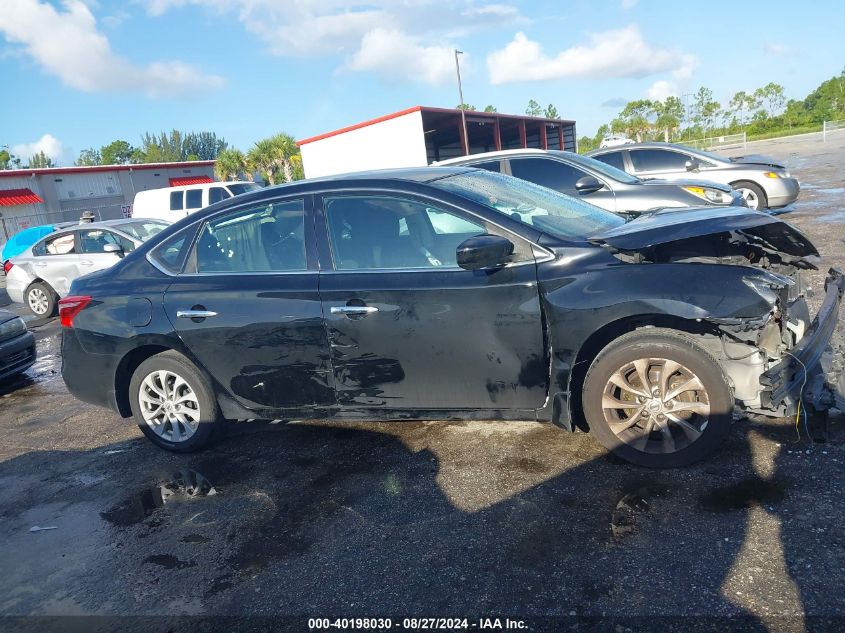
(533, 109)
(763, 111)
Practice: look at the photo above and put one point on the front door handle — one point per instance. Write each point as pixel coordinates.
(195, 314)
(86, 262)
(353, 310)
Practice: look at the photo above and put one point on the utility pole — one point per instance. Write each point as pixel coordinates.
(463, 109)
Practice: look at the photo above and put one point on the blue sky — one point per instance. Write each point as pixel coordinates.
(81, 73)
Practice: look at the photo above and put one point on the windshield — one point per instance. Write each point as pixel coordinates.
(142, 229)
(603, 168)
(243, 187)
(546, 210)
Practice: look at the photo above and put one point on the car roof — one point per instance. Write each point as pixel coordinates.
(200, 185)
(648, 145)
(103, 224)
(502, 153)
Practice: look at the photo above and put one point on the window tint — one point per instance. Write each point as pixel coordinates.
(658, 160)
(95, 241)
(216, 194)
(614, 159)
(243, 187)
(548, 173)
(59, 245)
(176, 198)
(193, 198)
(493, 165)
(143, 229)
(373, 232)
(268, 238)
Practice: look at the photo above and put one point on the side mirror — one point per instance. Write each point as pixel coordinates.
(587, 185)
(113, 248)
(692, 165)
(484, 252)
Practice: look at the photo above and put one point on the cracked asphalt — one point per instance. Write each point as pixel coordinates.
(422, 519)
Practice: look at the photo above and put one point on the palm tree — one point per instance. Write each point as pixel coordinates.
(276, 157)
(231, 163)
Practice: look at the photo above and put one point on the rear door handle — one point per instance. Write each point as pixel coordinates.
(86, 262)
(195, 314)
(353, 310)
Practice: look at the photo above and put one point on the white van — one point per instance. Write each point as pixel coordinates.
(174, 203)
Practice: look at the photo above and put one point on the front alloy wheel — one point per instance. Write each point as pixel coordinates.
(169, 405)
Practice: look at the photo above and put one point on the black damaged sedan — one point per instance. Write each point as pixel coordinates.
(453, 293)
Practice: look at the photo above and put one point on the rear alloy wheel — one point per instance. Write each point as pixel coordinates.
(753, 195)
(656, 398)
(40, 299)
(173, 403)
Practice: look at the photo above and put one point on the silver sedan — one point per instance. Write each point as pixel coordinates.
(763, 182)
(42, 274)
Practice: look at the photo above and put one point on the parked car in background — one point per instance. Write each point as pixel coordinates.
(763, 182)
(42, 273)
(614, 140)
(22, 240)
(351, 297)
(17, 345)
(174, 203)
(598, 183)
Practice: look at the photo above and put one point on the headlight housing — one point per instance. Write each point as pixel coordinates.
(714, 196)
(11, 328)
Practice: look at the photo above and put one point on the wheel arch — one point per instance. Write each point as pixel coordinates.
(606, 334)
(126, 367)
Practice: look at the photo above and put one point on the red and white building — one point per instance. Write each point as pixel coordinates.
(29, 197)
(421, 135)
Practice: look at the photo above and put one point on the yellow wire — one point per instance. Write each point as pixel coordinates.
(797, 420)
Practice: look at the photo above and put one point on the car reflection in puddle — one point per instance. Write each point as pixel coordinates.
(185, 484)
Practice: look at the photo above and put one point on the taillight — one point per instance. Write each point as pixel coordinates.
(7, 266)
(69, 307)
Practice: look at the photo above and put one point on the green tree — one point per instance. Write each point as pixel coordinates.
(274, 157)
(40, 160)
(464, 106)
(533, 108)
(490, 108)
(162, 148)
(88, 157)
(551, 112)
(827, 102)
(5, 159)
(739, 105)
(231, 163)
(203, 145)
(772, 96)
(669, 113)
(635, 118)
(116, 153)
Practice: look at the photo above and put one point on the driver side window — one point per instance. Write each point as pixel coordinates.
(385, 232)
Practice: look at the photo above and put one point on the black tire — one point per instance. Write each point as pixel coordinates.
(763, 200)
(658, 344)
(208, 419)
(50, 299)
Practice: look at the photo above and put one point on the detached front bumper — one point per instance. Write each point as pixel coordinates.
(814, 364)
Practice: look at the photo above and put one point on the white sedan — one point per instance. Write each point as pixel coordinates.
(42, 274)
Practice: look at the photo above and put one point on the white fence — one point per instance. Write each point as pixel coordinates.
(727, 141)
(828, 127)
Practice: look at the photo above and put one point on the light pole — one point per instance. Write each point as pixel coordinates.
(688, 113)
(462, 104)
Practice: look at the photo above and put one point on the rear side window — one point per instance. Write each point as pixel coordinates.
(614, 159)
(59, 245)
(269, 238)
(193, 198)
(658, 160)
(493, 165)
(176, 200)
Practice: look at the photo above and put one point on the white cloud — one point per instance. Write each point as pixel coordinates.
(773, 48)
(393, 54)
(611, 54)
(48, 144)
(411, 40)
(663, 88)
(68, 44)
(629, 4)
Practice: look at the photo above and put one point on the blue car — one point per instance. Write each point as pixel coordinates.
(19, 242)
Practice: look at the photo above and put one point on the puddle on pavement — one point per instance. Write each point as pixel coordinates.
(836, 217)
(833, 190)
(168, 561)
(632, 506)
(185, 484)
(744, 494)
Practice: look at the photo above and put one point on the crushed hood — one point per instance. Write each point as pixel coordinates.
(756, 159)
(674, 225)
